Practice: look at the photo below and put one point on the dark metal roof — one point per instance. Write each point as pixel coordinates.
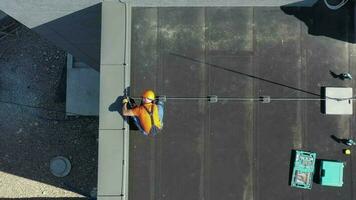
(235, 150)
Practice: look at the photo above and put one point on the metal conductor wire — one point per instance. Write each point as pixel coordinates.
(251, 98)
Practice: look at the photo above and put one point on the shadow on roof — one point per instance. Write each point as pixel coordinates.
(78, 33)
(48, 198)
(245, 74)
(322, 21)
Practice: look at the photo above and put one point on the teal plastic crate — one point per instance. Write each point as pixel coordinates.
(303, 169)
(332, 173)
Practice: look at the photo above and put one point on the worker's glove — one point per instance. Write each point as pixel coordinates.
(125, 101)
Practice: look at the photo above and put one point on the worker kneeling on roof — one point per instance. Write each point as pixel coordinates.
(148, 116)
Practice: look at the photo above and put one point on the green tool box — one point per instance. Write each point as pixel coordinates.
(303, 169)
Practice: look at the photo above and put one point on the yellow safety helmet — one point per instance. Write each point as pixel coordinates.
(149, 94)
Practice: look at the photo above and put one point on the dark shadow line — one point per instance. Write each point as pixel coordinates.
(76, 190)
(36, 107)
(73, 44)
(64, 33)
(291, 164)
(241, 73)
(333, 74)
(336, 139)
(322, 102)
(111, 195)
(321, 21)
(48, 198)
(317, 172)
(112, 129)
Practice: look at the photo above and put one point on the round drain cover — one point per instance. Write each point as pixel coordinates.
(60, 166)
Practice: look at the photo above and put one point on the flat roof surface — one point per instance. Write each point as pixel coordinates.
(239, 149)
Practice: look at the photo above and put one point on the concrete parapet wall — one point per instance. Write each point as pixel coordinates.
(114, 78)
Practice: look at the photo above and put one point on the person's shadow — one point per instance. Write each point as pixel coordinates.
(334, 75)
(117, 105)
(338, 140)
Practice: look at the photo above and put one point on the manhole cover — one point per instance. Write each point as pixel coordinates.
(60, 166)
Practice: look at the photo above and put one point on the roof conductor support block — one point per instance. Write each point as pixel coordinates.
(338, 101)
(265, 99)
(162, 98)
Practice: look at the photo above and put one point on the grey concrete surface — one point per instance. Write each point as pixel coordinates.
(238, 150)
(214, 3)
(114, 79)
(82, 97)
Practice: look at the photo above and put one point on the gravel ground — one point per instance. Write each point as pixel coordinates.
(34, 127)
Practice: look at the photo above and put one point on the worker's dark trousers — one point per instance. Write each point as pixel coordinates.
(160, 106)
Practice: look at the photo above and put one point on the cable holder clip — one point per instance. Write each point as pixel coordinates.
(265, 99)
(212, 98)
(162, 98)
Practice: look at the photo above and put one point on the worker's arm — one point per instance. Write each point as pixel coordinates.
(125, 111)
